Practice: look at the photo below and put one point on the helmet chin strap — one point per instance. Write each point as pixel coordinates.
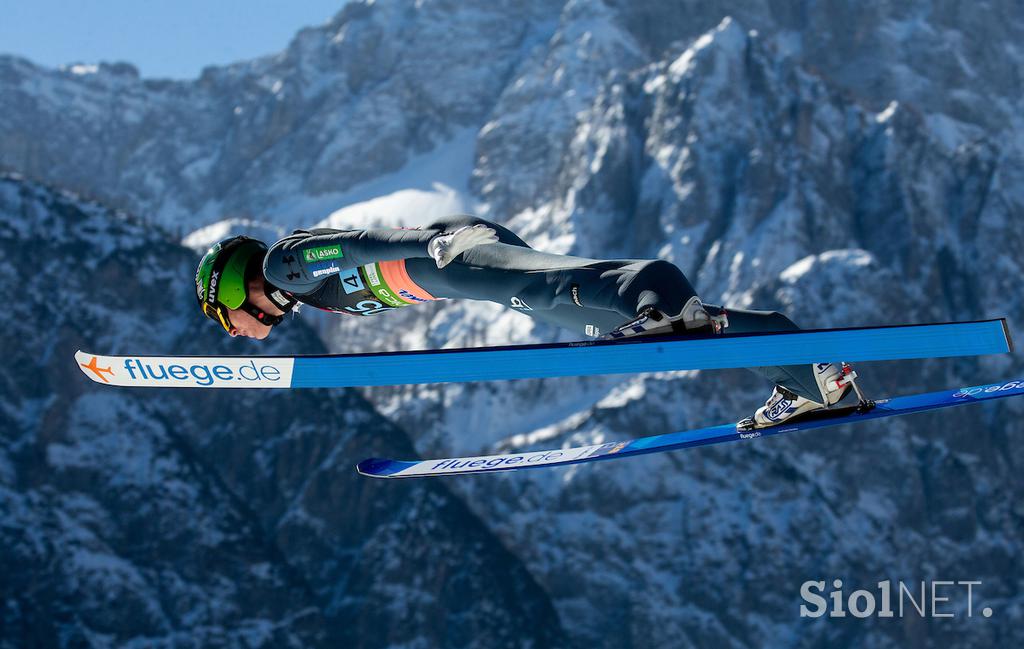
(278, 298)
(261, 315)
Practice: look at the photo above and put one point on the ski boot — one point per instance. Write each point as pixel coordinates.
(784, 406)
(694, 318)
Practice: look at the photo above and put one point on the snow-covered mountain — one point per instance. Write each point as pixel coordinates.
(847, 164)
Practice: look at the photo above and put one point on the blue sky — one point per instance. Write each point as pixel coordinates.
(163, 38)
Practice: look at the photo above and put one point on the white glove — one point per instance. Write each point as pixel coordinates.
(448, 245)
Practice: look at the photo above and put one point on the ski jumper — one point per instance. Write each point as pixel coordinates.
(367, 272)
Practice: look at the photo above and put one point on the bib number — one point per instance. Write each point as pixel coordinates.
(368, 307)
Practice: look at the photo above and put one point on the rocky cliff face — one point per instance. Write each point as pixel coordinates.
(344, 104)
(848, 165)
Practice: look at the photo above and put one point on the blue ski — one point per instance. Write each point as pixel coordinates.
(383, 468)
(641, 354)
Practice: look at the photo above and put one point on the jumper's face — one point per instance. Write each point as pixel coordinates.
(243, 324)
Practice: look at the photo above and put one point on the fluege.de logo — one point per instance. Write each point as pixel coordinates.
(101, 372)
(995, 387)
(224, 372)
(201, 373)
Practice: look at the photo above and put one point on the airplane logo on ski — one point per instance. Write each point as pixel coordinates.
(93, 367)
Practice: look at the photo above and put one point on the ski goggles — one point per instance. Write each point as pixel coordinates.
(219, 314)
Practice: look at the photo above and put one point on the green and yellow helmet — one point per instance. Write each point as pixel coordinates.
(222, 277)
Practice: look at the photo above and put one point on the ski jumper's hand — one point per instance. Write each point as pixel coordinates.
(448, 245)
